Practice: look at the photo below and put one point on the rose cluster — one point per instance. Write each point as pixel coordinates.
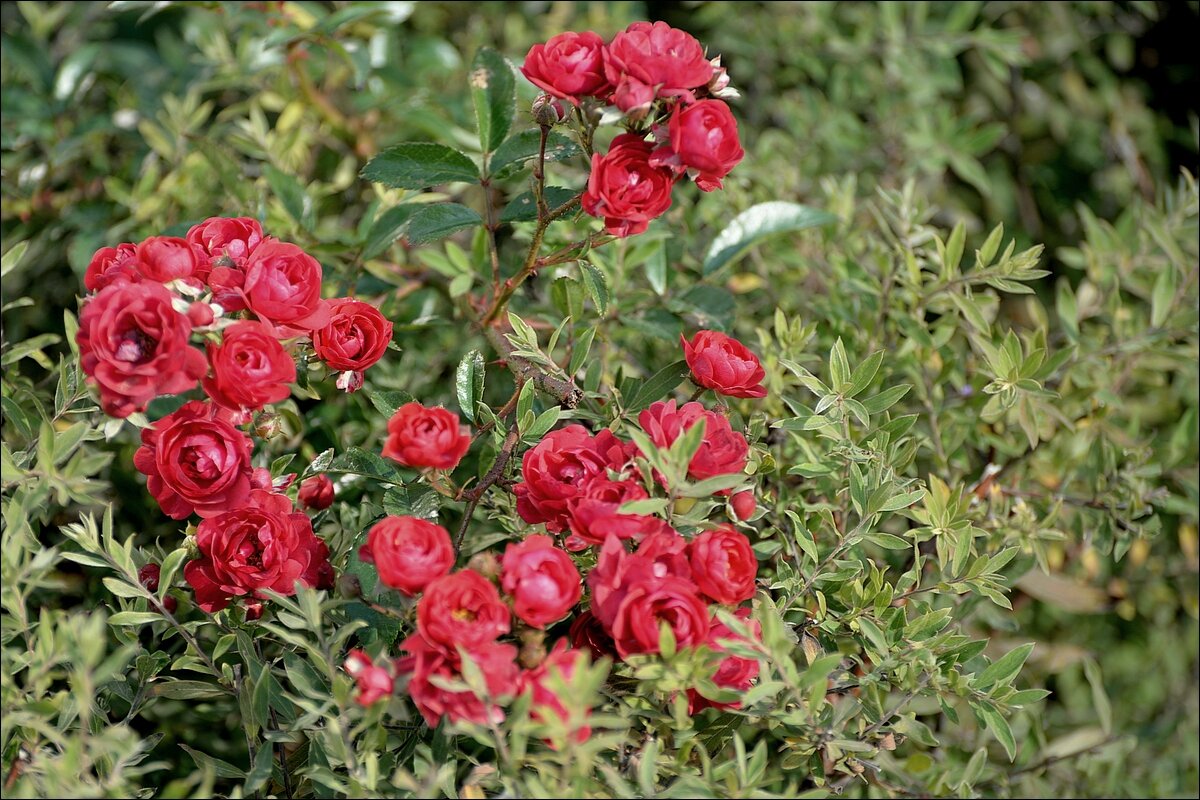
(660, 79)
(227, 309)
(646, 574)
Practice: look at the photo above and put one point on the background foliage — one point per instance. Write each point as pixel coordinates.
(1056, 390)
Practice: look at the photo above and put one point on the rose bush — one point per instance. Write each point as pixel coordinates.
(531, 463)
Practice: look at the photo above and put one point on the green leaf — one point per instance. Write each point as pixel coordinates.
(839, 367)
(885, 399)
(12, 258)
(439, 221)
(468, 383)
(187, 690)
(1100, 699)
(1000, 729)
(134, 618)
(656, 268)
(416, 165)
(521, 147)
(222, 769)
(596, 284)
(387, 228)
(385, 401)
(494, 93)
(523, 207)
(357, 461)
(954, 250)
(659, 385)
(757, 224)
(1163, 296)
(874, 635)
(864, 373)
(170, 566)
(903, 500)
(290, 192)
(1004, 669)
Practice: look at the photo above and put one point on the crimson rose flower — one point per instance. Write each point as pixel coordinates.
(408, 552)
(111, 265)
(662, 554)
(625, 188)
(734, 672)
(426, 437)
(264, 544)
(282, 285)
(562, 662)
(497, 663)
(724, 364)
(556, 469)
(723, 452)
(648, 604)
(149, 576)
(569, 65)
(228, 241)
(169, 258)
(355, 338)
(250, 368)
(703, 140)
(373, 683)
(461, 609)
(133, 344)
(649, 60)
(316, 492)
(195, 461)
(541, 579)
(723, 565)
(593, 514)
(588, 633)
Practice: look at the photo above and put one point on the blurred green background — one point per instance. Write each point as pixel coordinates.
(127, 119)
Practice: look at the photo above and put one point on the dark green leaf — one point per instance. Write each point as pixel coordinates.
(468, 383)
(659, 385)
(494, 92)
(416, 165)
(758, 223)
(520, 147)
(439, 221)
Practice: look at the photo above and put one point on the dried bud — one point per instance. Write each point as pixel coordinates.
(486, 564)
(350, 381)
(349, 586)
(548, 110)
(533, 648)
(267, 426)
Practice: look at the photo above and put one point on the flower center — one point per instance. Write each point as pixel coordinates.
(135, 347)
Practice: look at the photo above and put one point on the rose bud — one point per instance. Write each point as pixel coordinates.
(408, 552)
(373, 682)
(200, 314)
(724, 565)
(316, 492)
(253, 609)
(548, 111)
(349, 586)
(541, 579)
(461, 609)
(569, 66)
(486, 564)
(743, 504)
(723, 364)
(625, 188)
(703, 140)
(250, 368)
(426, 437)
(133, 345)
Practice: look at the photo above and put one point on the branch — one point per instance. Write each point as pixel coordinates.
(475, 493)
(563, 390)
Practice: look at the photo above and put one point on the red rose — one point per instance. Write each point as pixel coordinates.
(250, 368)
(570, 65)
(661, 555)
(264, 544)
(111, 265)
(282, 285)
(625, 189)
(497, 663)
(654, 60)
(227, 241)
(408, 552)
(373, 683)
(149, 576)
(588, 633)
(541, 579)
(723, 452)
(355, 338)
(650, 603)
(461, 609)
(723, 565)
(133, 344)
(722, 363)
(667, 552)
(734, 672)
(560, 665)
(703, 140)
(743, 504)
(592, 514)
(316, 492)
(169, 258)
(195, 461)
(556, 469)
(426, 437)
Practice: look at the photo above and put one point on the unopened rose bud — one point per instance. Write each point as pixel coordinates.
(170, 604)
(200, 314)
(486, 564)
(548, 110)
(743, 505)
(349, 586)
(149, 575)
(254, 610)
(317, 492)
(267, 426)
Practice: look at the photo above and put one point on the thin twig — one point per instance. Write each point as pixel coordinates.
(475, 493)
